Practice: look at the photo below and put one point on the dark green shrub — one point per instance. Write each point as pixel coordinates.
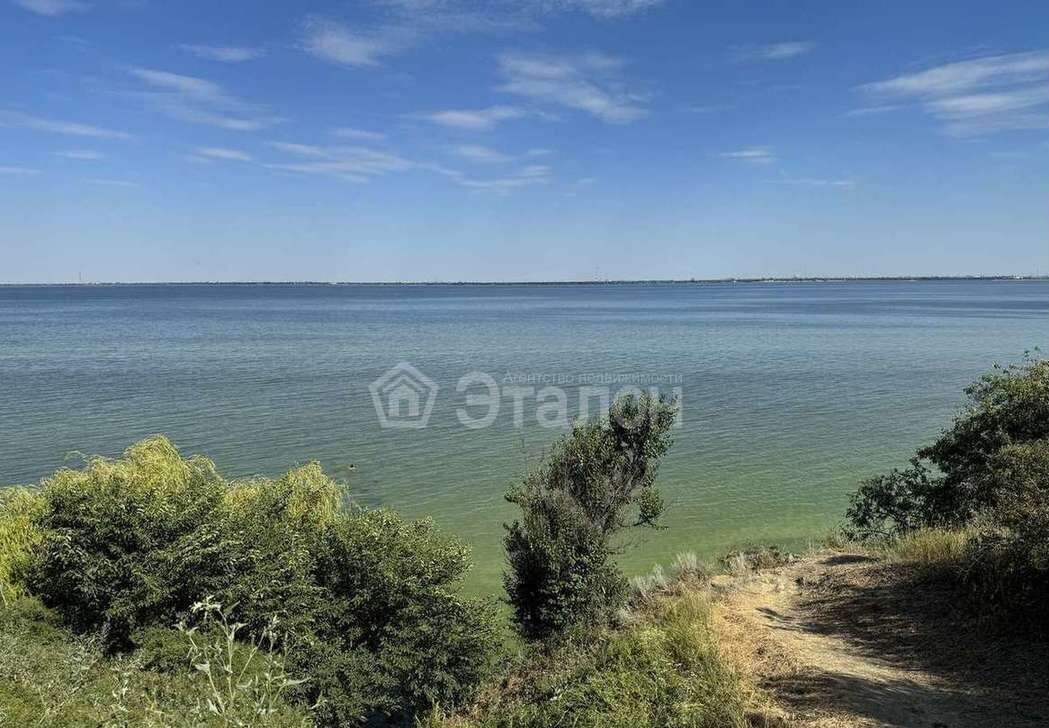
(128, 543)
(1006, 407)
(901, 502)
(392, 637)
(597, 481)
(1008, 561)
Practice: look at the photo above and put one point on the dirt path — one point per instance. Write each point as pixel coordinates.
(842, 639)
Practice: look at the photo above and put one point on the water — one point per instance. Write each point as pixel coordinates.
(791, 392)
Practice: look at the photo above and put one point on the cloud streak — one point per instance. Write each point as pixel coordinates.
(221, 154)
(751, 155)
(70, 128)
(978, 97)
(199, 101)
(9, 170)
(474, 119)
(771, 51)
(590, 83)
(224, 54)
(83, 155)
(350, 163)
(52, 8)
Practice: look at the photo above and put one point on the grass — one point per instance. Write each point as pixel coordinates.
(660, 669)
(48, 677)
(18, 536)
(933, 548)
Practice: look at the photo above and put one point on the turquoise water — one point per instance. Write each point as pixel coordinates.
(791, 393)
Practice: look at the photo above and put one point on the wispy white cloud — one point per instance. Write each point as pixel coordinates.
(844, 184)
(475, 119)
(336, 43)
(223, 154)
(199, 101)
(103, 182)
(608, 8)
(873, 110)
(224, 54)
(527, 176)
(389, 27)
(350, 163)
(498, 14)
(751, 155)
(346, 132)
(590, 83)
(479, 153)
(6, 169)
(979, 96)
(85, 155)
(771, 51)
(704, 109)
(52, 8)
(70, 128)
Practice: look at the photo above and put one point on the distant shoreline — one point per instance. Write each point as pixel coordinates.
(656, 281)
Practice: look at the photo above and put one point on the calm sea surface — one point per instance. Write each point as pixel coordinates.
(791, 392)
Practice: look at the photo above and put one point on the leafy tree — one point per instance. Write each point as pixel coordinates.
(597, 481)
(956, 478)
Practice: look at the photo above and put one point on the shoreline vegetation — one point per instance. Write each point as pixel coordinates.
(610, 282)
(148, 590)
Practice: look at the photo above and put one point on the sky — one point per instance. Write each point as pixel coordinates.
(526, 140)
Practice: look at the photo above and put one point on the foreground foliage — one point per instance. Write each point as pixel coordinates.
(661, 670)
(977, 500)
(597, 481)
(49, 677)
(371, 624)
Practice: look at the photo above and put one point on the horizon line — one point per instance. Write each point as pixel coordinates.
(580, 282)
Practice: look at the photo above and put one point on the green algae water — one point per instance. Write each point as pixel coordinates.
(790, 392)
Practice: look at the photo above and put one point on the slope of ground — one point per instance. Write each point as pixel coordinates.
(848, 639)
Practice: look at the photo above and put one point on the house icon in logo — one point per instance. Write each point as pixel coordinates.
(403, 397)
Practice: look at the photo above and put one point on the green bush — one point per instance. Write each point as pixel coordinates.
(365, 601)
(663, 671)
(1008, 562)
(392, 637)
(129, 543)
(980, 507)
(955, 480)
(598, 480)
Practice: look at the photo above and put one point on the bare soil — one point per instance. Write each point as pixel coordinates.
(840, 639)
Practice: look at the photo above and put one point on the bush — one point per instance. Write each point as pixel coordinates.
(129, 543)
(597, 481)
(1006, 407)
(663, 671)
(1008, 562)
(366, 601)
(273, 533)
(393, 638)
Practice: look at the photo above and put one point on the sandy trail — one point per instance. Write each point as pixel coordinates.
(842, 639)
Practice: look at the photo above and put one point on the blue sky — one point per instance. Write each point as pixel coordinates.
(385, 140)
